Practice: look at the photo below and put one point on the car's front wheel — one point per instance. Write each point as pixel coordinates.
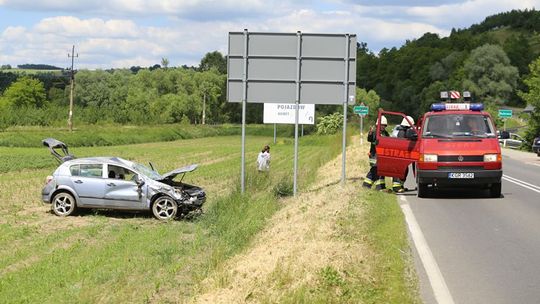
(63, 204)
(164, 208)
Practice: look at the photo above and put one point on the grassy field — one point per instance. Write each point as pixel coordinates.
(33, 71)
(105, 256)
(113, 135)
(21, 148)
(336, 244)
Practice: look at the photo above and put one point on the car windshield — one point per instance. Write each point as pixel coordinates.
(147, 171)
(458, 125)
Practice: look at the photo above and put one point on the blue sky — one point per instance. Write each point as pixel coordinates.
(122, 33)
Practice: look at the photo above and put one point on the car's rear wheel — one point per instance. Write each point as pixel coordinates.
(63, 204)
(164, 208)
(422, 190)
(495, 190)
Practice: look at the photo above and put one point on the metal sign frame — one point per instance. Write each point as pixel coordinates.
(291, 68)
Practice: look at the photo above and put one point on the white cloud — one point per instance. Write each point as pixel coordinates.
(183, 31)
(467, 12)
(191, 9)
(75, 27)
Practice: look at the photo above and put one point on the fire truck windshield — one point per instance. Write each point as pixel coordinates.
(458, 125)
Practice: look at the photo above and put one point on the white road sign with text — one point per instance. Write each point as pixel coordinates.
(283, 113)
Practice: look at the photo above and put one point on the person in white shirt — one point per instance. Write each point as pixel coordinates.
(263, 160)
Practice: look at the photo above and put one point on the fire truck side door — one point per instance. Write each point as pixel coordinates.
(395, 154)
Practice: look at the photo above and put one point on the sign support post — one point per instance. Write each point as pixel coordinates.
(297, 109)
(244, 101)
(361, 129)
(345, 106)
(275, 133)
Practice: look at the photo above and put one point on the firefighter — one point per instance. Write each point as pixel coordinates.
(398, 184)
(372, 177)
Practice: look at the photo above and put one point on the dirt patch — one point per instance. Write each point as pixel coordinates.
(299, 241)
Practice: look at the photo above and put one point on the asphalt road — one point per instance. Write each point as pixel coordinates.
(487, 250)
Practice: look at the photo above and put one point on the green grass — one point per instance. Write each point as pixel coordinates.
(112, 135)
(394, 279)
(123, 257)
(21, 148)
(382, 274)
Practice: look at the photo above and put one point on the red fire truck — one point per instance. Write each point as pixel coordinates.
(454, 145)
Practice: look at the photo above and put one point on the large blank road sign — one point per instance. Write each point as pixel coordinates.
(284, 113)
(277, 62)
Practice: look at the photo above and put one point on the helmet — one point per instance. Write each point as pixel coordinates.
(383, 120)
(405, 122)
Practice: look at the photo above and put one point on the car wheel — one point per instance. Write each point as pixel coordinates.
(164, 208)
(63, 204)
(495, 190)
(422, 190)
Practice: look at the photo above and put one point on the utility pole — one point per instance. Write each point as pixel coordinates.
(70, 117)
(204, 108)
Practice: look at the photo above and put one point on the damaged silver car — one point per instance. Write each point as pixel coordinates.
(116, 183)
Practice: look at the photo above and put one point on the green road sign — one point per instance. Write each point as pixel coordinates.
(362, 110)
(503, 113)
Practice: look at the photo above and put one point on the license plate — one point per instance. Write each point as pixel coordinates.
(460, 175)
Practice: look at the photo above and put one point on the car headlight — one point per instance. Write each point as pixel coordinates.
(491, 157)
(428, 158)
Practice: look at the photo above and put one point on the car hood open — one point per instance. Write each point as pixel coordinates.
(171, 175)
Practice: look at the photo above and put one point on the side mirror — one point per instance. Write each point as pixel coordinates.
(139, 181)
(411, 134)
(504, 135)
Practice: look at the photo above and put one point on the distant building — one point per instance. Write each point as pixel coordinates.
(528, 109)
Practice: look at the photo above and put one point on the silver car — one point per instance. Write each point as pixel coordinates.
(116, 183)
(510, 140)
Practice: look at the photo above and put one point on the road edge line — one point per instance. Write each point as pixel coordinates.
(521, 183)
(435, 277)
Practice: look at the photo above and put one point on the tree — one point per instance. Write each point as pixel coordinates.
(209, 89)
(164, 62)
(489, 74)
(368, 98)
(92, 88)
(533, 98)
(26, 92)
(214, 60)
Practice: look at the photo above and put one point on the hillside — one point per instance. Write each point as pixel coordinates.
(410, 77)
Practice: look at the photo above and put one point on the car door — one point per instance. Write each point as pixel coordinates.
(88, 183)
(395, 154)
(122, 190)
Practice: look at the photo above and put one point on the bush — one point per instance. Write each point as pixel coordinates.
(283, 188)
(330, 124)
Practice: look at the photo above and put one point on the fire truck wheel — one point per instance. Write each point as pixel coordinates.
(495, 190)
(422, 190)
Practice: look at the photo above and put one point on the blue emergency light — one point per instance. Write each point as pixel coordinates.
(437, 107)
(477, 107)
